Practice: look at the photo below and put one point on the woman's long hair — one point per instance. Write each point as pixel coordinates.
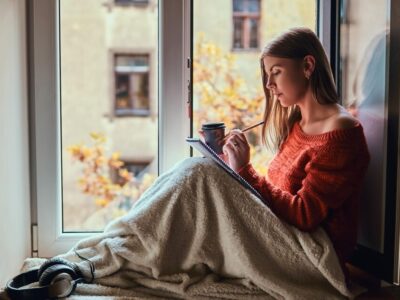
(295, 44)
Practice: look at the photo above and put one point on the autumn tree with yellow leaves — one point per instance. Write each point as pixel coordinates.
(97, 181)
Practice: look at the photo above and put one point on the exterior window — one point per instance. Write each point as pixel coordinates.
(137, 168)
(131, 2)
(132, 85)
(246, 19)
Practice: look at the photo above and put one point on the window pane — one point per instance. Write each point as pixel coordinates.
(364, 47)
(123, 100)
(253, 33)
(238, 5)
(253, 6)
(226, 83)
(140, 91)
(130, 2)
(109, 108)
(238, 32)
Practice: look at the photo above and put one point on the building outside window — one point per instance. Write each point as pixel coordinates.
(131, 85)
(246, 21)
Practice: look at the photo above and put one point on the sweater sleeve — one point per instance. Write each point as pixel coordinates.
(329, 181)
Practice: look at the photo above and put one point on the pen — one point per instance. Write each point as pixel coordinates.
(252, 126)
(247, 128)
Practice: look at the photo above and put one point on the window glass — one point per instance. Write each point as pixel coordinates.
(131, 85)
(363, 86)
(253, 33)
(109, 108)
(246, 17)
(130, 2)
(238, 33)
(226, 82)
(253, 5)
(238, 5)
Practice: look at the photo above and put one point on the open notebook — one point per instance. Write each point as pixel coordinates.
(208, 152)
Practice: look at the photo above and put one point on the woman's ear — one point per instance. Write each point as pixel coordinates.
(308, 65)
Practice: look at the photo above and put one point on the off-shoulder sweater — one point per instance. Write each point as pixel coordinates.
(315, 180)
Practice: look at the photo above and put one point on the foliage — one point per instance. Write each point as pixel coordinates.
(222, 94)
(104, 179)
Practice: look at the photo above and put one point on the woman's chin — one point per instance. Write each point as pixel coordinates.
(283, 103)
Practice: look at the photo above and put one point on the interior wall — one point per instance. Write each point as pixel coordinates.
(14, 164)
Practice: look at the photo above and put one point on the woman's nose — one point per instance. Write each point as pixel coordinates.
(270, 84)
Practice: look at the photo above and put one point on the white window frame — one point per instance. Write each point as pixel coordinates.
(174, 125)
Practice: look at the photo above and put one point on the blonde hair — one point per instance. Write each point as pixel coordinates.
(296, 43)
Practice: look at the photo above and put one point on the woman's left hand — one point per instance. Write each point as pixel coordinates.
(237, 150)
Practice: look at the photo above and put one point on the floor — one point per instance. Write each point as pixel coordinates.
(377, 290)
(387, 293)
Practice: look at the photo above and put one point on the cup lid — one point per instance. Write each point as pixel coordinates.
(214, 125)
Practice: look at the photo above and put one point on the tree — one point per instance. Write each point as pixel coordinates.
(105, 180)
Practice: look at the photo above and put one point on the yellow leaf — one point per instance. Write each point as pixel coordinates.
(101, 202)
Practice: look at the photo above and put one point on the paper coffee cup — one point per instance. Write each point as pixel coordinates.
(214, 134)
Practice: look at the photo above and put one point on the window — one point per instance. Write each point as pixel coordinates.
(131, 2)
(131, 85)
(88, 82)
(69, 74)
(137, 169)
(246, 19)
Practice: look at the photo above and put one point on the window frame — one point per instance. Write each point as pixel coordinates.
(246, 16)
(44, 91)
(174, 99)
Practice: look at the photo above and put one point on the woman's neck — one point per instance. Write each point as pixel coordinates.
(313, 112)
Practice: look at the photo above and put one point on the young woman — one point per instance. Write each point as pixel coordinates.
(315, 178)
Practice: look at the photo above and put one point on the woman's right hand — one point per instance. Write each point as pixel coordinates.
(237, 150)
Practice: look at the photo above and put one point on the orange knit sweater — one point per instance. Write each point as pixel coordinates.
(315, 180)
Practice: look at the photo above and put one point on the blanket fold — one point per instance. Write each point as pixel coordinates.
(196, 233)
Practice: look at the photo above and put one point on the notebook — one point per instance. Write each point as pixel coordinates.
(204, 149)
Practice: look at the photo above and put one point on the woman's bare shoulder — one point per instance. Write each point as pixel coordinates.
(343, 120)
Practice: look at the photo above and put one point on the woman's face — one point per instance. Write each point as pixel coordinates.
(286, 79)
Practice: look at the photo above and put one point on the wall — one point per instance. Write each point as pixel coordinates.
(14, 166)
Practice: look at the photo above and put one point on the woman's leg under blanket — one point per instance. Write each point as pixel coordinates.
(197, 215)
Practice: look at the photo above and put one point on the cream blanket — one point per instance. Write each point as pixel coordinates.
(198, 234)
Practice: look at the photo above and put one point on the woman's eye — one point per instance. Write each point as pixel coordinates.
(276, 72)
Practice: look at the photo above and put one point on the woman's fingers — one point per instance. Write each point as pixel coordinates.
(237, 154)
(238, 140)
(239, 135)
(231, 141)
(201, 132)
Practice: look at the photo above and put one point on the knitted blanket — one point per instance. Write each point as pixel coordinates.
(196, 233)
